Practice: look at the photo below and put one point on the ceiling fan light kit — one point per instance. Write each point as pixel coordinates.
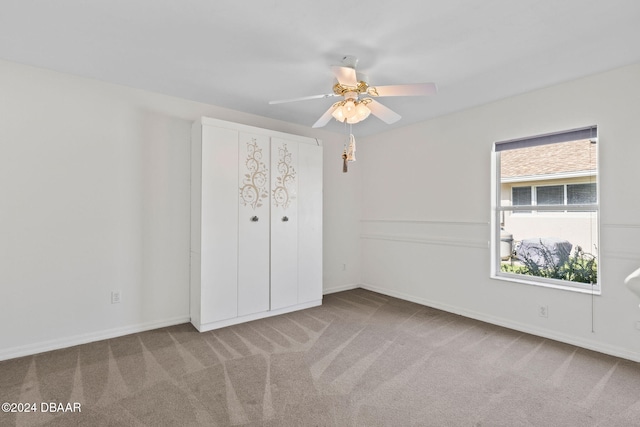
(351, 110)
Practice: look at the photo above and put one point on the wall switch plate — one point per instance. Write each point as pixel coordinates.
(116, 297)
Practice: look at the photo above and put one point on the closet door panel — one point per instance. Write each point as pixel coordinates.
(284, 223)
(310, 223)
(219, 245)
(253, 223)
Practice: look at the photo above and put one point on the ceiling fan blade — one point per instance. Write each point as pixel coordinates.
(418, 89)
(346, 76)
(383, 113)
(302, 98)
(325, 117)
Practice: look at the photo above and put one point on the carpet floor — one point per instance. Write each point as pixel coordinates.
(360, 359)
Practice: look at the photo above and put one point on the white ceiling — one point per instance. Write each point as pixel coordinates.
(241, 54)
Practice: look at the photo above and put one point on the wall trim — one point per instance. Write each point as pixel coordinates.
(439, 241)
(544, 333)
(56, 344)
(621, 226)
(340, 288)
(427, 221)
(628, 256)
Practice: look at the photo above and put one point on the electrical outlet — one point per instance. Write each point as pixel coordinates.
(116, 297)
(543, 311)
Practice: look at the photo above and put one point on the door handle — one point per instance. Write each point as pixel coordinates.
(254, 219)
(285, 218)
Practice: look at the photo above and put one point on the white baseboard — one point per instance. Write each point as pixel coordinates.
(56, 344)
(544, 333)
(340, 288)
(255, 316)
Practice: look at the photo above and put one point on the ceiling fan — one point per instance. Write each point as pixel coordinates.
(358, 102)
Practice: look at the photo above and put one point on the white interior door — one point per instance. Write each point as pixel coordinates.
(253, 223)
(219, 244)
(310, 223)
(284, 223)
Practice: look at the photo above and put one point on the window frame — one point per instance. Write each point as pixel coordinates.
(498, 212)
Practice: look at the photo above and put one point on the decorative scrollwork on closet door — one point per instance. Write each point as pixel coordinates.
(284, 189)
(254, 185)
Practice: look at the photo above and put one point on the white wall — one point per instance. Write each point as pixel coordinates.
(426, 212)
(94, 197)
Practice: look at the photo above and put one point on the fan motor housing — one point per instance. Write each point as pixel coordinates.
(343, 90)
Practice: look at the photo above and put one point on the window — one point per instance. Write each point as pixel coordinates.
(578, 194)
(546, 210)
(521, 196)
(550, 195)
(567, 194)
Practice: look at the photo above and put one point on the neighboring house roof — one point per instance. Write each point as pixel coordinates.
(552, 159)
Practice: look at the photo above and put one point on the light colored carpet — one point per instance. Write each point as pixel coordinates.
(361, 359)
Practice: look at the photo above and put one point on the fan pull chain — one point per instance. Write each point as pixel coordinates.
(349, 151)
(345, 156)
(345, 169)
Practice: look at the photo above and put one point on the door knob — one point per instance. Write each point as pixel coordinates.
(285, 218)
(254, 218)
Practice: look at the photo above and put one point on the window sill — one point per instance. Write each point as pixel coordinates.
(595, 290)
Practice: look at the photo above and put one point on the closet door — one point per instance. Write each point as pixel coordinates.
(284, 223)
(253, 223)
(310, 223)
(219, 244)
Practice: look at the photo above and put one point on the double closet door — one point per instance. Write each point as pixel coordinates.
(257, 246)
(267, 224)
